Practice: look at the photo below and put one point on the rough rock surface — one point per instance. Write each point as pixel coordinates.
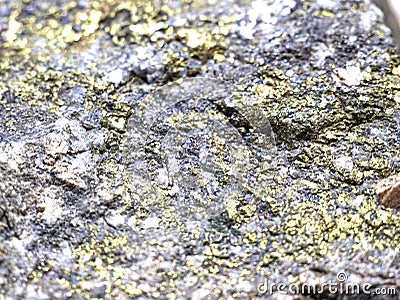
(94, 198)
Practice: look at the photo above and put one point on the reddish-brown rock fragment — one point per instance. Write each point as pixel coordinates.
(388, 191)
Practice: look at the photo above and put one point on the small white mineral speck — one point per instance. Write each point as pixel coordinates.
(351, 76)
(114, 76)
(151, 222)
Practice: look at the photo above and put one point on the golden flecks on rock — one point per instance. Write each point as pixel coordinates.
(312, 218)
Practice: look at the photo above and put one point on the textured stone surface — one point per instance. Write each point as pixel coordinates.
(90, 203)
